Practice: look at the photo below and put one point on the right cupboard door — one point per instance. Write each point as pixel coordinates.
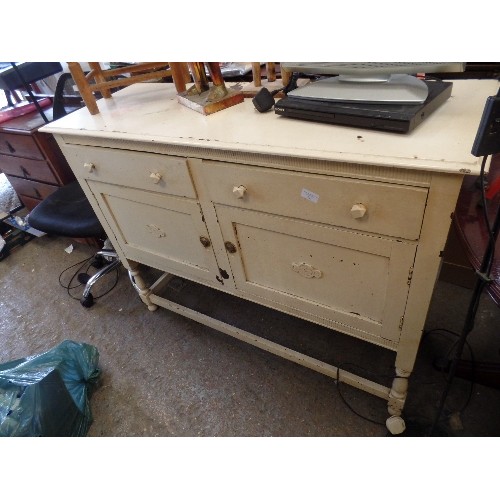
(356, 283)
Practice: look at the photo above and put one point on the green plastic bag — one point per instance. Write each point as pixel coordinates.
(48, 394)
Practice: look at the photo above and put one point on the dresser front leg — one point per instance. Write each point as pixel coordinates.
(139, 284)
(397, 398)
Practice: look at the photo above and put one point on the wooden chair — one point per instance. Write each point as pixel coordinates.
(103, 80)
(268, 80)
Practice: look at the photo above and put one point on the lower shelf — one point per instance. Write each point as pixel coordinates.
(330, 370)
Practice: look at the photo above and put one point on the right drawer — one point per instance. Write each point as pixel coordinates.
(135, 169)
(369, 206)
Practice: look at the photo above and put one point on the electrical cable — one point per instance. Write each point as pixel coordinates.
(443, 331)
(264, 100)
(337, 383)
(82, 264)
(483, 199)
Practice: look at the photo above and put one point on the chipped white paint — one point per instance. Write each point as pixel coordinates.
(141, 112)
(166, 179)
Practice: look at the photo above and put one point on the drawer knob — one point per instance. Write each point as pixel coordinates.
(88, 166)
(239, 191)
(358, 210)
(11, 148)
(156, 176)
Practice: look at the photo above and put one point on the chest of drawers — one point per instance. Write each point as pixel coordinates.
(341, 227)
(32, 161)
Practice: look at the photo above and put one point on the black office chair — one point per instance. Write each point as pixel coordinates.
(67, 212)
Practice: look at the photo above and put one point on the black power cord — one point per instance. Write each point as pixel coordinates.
(444, 364)
(342, 397)
(83, 277)
(264, 100)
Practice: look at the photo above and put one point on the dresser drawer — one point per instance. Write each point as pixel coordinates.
(368, 206)
(145, 171)
(33, 189)
(36, 170)
(28, 202)
(20, 145)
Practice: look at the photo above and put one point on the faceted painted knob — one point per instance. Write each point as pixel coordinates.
(88, 166)
(239, 191)
(156, 176)
(358, 210)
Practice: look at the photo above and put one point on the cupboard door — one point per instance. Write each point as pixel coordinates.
(161, 231)
(348, 278)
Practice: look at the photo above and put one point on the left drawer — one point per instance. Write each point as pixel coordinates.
(20, 145)
(140, 170)
(35, 170)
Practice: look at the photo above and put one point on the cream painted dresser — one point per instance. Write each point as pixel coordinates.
(340, 226)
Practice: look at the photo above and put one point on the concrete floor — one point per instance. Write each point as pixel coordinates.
(165, 375)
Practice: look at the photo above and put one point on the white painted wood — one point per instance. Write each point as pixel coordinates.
(320, 198)
(339, 226)
(441, 204)
(161, 231)
(150, 172)
(363, 280)
(145, 112)
(274, 348)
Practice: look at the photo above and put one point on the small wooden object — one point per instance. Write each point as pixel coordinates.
(203, 97)
(102, 80)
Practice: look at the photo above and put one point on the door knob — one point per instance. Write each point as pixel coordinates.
(230, 247)
(205, 241)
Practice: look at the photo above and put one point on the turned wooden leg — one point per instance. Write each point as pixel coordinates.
(271, 71)
(139, 284)
(178, 76)
(257, 81)
(396, 402)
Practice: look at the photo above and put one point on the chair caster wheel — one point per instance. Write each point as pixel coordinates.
(87, 301)
(395, 425)
(83, 278)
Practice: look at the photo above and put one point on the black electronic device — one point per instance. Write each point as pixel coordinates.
(487, 140)
(401, 118)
